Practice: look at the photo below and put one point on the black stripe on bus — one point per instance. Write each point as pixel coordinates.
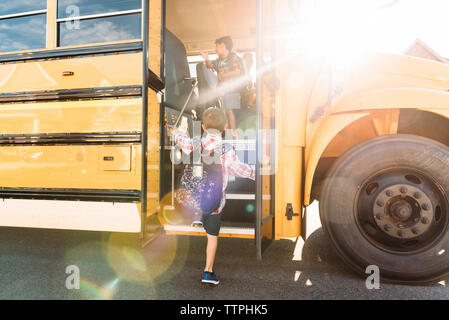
(71, 94)
(71, 139)
(71, 194)
(155, 82)
(118, 48)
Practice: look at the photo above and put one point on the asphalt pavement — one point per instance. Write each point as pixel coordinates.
(40, 264)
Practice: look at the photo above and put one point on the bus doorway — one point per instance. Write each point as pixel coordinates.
(249, 210)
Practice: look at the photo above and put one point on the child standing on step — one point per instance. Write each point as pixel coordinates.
(214, 122)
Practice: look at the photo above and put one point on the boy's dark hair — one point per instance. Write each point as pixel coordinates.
(214, 118)
(227, 42)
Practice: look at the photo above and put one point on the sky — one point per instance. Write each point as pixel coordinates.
(345, 29)
(401, 24)
(390, 29)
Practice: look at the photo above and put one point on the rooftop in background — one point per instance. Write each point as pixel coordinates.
(421, 50)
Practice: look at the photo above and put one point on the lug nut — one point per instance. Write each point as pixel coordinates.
(403, 189)
(380, 203)
(415, 230)
(400, 233)
(379, 216)
(417, 195)
(425, 206)
(425, 220)
(389, 193)
(387, 227)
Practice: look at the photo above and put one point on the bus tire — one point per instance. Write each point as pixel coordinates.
(384, 203)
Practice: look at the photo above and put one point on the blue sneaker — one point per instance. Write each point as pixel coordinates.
(210, 277)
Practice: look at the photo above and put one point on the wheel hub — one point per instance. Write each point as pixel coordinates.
(403, 211)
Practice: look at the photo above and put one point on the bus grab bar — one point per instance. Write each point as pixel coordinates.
(194, 85)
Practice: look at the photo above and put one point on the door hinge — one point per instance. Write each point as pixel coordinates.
(289, 212)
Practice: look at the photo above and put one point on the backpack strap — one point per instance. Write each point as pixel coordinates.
(226, 147)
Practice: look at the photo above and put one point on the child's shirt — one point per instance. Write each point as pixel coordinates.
(229, 64)
(231, 164)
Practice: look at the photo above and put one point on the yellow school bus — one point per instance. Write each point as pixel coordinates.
(80, 113)
(87, 89)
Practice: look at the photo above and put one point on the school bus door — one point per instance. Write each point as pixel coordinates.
(266, 138)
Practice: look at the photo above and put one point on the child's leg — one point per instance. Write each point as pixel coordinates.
(211, 224)
(212, 242)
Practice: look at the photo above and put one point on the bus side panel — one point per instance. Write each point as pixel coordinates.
(288, 191)
(154, 108)
(70, 215)
(117, 115)
(290, 126)
(155, 37)
(71, 167)
(153, 154)
(90, 72)
(76, 144)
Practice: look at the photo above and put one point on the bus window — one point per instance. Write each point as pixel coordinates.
(21, 6)
(90, 7)
(17, 16)
(194, 60)
(98, 21)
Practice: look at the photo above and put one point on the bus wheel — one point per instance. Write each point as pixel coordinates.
(385, 203)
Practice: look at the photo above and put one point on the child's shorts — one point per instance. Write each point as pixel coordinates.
(212, 224)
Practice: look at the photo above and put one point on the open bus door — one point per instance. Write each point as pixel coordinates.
(266, 138)
(182, 96)
(249, 210)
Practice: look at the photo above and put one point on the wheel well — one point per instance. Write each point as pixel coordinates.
(410, 121)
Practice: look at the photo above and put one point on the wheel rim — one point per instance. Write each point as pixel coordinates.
(401, 210)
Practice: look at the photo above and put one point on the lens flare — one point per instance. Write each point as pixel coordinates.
(90, 291)
(171, 211)
(166, 257)
(148, 266)
(126, 259)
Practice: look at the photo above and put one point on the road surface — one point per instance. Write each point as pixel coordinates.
(42, 264)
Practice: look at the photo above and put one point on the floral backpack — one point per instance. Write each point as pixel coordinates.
(203, 180)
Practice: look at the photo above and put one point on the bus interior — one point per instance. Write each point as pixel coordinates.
(191, 27)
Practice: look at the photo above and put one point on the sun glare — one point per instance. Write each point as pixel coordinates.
(342, 30)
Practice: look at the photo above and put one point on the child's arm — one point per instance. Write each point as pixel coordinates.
(182, 139)
(238, 168)
(209, 64)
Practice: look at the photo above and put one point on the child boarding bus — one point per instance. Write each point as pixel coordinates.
(87, 91)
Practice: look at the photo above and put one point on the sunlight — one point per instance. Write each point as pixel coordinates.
(297, 275)
(339, 30)
(111, 287)
(297, 254)
(343, 31)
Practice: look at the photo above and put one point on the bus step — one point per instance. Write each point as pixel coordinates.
(226, 232)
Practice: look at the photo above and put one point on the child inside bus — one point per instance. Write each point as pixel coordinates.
(214, 123)
(231, 77)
